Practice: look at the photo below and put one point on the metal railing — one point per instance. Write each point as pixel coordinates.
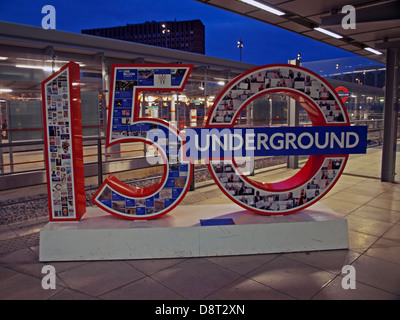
(104, 162)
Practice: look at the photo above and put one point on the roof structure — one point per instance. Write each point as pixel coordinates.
(377, 23)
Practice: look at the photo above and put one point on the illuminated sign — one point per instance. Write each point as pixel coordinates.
(228, 150)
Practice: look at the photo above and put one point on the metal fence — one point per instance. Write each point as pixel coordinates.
(22, 162)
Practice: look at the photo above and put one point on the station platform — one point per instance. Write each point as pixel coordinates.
(371, 208)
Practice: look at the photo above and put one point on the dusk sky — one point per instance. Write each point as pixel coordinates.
(263, 43)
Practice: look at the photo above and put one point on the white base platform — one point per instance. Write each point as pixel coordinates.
(101, 236)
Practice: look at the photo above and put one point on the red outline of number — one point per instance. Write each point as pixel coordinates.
(114, 183)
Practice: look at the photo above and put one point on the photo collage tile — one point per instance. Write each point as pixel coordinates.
(60, 146)
(125, 81)
(240, 190)
(274, 78)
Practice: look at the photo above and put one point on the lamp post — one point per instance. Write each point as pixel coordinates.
(165, 31)
(240, 46)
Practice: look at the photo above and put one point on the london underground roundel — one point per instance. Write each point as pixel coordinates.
(320, 172)
(343, 92)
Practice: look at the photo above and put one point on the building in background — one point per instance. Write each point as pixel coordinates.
(180, 35)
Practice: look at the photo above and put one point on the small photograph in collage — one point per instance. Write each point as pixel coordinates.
(125, 85)
(159, 205)
(144, 74)
(180, 182)
(131, 211)
(119, 206)
(106, 194)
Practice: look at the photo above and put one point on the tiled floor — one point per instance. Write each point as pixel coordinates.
(371, 207)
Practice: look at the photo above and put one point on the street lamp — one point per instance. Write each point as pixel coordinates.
(165, 31)
(240, 46)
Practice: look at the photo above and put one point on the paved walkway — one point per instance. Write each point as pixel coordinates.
(371, 207)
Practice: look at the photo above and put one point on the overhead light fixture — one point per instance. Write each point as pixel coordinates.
(37, 67)
(329, 33)
(28, 67)
(373, 50)
(64, 61)
(221, 83)
(263, 7)
(3, 58)
(5, 90)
